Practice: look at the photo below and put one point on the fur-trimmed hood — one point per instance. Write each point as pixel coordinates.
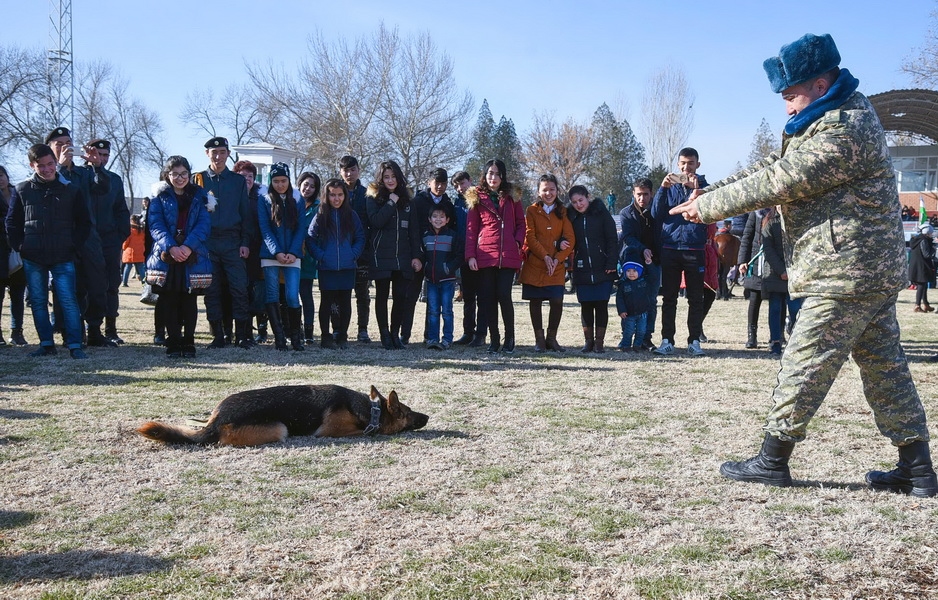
(373, 191)
(472, 196)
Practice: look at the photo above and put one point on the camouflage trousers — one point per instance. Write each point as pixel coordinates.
(826, 333)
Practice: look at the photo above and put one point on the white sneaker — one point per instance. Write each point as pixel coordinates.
(665, 348)
(693, 349)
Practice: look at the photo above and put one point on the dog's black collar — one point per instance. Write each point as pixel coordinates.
(375, 419)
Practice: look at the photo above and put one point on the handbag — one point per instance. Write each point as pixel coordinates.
(15, 262)
(148, 296)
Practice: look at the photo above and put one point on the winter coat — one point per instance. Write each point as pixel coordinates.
(356, 197)
(278, 238)
(232, 225)
(48, 221)
(112, 217)
(639, 233)
(542, 237)
(423, 204)
(494, 234)
(676, 232)
(441, 253)
(132, 251)
(595, 250)
(395, 240)
(161, 222)
(4, 242)
(632, 297)
(768, 267)
(836, 189)
(332, 250)
(922, 259)
(711, 266)
(308, 264)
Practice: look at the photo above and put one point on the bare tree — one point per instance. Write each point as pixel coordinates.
(424, 118)
(563, 150)
(236, 114)
(376, 98)
(668, 111)
(923, 67)
(23, 100)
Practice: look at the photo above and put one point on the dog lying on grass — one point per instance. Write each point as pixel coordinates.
(269, 415)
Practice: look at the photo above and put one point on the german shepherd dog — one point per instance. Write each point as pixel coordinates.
(270, 415)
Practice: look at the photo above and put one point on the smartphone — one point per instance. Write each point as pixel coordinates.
(678, 178)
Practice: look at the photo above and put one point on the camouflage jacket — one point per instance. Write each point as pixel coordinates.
(836, 191)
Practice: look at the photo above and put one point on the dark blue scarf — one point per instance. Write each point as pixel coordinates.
(842, 89)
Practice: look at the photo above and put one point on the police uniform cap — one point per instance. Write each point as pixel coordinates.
(57, 132)
(217, 142)
(100, 144)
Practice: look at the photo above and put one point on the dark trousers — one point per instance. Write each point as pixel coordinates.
(674, 264)
(398, 286)
(362, 297)
(335, 307)
(113, 276)
(495, 293)
(414, 287)
(180, 311)
(309, 305)
(471, 306)
(229, 271)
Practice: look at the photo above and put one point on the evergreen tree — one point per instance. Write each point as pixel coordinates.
(483, 137)
(764, 143)
(618, 158)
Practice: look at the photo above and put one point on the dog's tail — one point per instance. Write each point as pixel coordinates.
(174, 434)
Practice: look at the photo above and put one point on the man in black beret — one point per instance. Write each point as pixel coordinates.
(113, 224)
(228, 244)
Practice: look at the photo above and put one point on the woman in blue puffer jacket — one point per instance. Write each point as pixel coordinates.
(283, 224)
(336, 240)
(179, 267)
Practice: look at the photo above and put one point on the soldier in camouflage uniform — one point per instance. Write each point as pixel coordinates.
(835, 188)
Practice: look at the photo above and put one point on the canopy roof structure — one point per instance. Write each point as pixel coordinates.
(908, 111)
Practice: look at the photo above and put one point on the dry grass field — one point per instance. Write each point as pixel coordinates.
(538, 476)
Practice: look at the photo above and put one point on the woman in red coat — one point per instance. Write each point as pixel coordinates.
(494, 235)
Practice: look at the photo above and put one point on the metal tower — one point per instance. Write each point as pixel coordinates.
(59, 64)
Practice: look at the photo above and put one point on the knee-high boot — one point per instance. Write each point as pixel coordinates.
(276, 324)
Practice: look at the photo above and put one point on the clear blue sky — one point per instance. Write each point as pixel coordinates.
(523, 56)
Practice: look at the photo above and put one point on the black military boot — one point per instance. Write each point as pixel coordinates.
(218, 335)
(296, 328)
(97, 339)
(913, 474)
(769, 467)
(110, 330)
(751, 341)
(261, 337)
(273, 318)
(243, 334)
(16, 337)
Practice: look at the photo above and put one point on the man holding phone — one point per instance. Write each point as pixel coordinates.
(682, 254)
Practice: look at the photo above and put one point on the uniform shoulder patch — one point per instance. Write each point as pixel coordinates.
(833, 116)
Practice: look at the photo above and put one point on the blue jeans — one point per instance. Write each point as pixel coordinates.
(440, 302)
(63, 285)
(776, 323)
(634, 325)
(291, 285)
(140, 268)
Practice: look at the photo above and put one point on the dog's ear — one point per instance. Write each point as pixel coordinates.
(393, 403)
(375, 393)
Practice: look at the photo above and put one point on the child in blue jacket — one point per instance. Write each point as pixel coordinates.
(632, 304)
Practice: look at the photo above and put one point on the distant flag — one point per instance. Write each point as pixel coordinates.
(922, 215)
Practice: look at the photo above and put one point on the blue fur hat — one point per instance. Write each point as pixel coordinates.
(799, 61)
(633, 265)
